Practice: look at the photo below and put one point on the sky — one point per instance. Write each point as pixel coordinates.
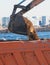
(6, 7)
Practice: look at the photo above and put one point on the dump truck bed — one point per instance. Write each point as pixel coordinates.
(25, 52)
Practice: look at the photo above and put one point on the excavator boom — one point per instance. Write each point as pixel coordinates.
(35, 2)
(26, 5)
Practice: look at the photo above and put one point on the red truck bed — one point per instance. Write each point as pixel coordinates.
(25, 52)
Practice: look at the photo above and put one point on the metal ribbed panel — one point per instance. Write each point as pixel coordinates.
(25, 53)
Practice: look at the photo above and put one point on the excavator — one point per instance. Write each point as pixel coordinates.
(28, 52)
(21, 25)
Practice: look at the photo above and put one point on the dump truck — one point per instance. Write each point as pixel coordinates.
(24, 52)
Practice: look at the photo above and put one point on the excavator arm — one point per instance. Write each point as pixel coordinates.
(26, 5)
(35, 2)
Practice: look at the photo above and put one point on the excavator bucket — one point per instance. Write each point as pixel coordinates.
(19, 24)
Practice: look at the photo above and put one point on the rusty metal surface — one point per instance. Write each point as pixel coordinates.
(25, 52)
